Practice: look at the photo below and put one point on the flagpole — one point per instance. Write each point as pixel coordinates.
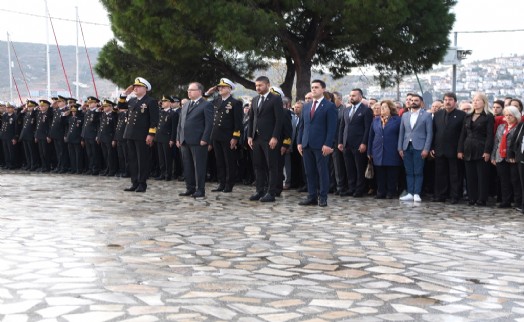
(10, 68)
(48, 52)
(77, 62)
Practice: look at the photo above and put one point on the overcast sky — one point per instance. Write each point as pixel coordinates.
(471, 15)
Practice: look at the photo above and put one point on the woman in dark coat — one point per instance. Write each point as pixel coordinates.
(382, 149)
(475, 147)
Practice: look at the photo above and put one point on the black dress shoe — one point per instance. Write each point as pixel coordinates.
(227, 189)
(308, 202)
(436, 199)
(186, 193)
(256, 196)
(504, 205)
(219, 188)
(357, 195)
(322, 203)
(471, 203)
(346, 193)
(302, 189)
(168, 179)
(380, 197)
(132, 188)
(480, 203)
(198, 195)
(454, 201)
(159, 178)
(141, 188)
(95, 173)
(268, 198)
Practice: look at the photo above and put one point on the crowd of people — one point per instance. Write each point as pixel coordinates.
(450, 151)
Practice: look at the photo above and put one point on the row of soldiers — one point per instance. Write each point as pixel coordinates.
(64, 136)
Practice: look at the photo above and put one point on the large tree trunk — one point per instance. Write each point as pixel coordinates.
(289, 79)
(303, 69)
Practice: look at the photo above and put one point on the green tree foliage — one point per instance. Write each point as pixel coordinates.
(174, 42)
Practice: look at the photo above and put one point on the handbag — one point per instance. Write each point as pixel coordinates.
(370, 172)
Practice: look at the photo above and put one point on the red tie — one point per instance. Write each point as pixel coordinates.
(313, 109)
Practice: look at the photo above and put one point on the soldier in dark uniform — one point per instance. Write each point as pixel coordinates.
(121, 143)
(73, 139)
(106, 134)
(177, 155)
(27, 135)
(285, 138)
(225, 135)
(43, 123)
(89, 133)
(57, 133)
(9, 136)
(165, 139)
(140, 131)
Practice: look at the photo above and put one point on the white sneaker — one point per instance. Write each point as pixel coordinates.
(408, 197)
(416, 198)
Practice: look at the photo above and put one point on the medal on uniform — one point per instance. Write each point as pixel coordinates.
(143, 107)
(166, 118)
(228, 107)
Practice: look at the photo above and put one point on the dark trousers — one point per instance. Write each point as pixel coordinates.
(9, 153)
(165, 159)
(265, 162)
(448, 178)
(139, 162)
(387, 180)
(122, 150)
(62, 156)
(93, 158)
(31, 154)
(340, 170)
(245, 166)
(226, 162)
(281, 170)
(356, 163)
(297, 169)
(477, 172)
(45, 155)
(194, 158)
(317, 172)
(76, 157)
(509, 183)
(521, 177)
(109, 155)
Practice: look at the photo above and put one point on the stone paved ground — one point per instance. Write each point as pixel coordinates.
(78, 248)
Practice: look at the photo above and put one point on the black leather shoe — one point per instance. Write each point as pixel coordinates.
(186, 193)
(219, 188)
(322, 203)
(504, 205)
(380, 197)
(481, 203)
(159, 178)
(227, 189)
(256, 196)
(141, 188)
(346, 193)
(267, 198)
(132, 188)
(471, 203)
(454, 201)
(198, 195)
(357, 195)
(308, 202)
(435, 199)
(302, 189)
(168, 178)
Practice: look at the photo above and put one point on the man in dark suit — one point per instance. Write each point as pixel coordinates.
(265, 126)
(338, 156)
(193, 139)
(165, 139)
(316, 138)
(226, 134)
(27, 135)
(353, 140)
(73, 139)
(9, 136)
(43, 123)
(121, 143)
(57, 133)
(447, 125)
(140, 131)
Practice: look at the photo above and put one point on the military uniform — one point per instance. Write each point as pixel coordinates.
(43, 123)
(105, 136)
(27, 136)
(57, 133)
(142, 121)
(8, 134)
(227, 125)
(89, 133)
(73, 139)
(121, 144)
(166, 133)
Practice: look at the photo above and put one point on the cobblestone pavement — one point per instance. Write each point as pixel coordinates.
(78, 248)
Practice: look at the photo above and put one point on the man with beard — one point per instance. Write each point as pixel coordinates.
(265, 126)
(414, 143)
(447, 125)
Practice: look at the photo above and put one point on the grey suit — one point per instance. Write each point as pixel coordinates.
(196, 123)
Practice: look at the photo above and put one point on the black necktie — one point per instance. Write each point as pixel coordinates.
(191, 104)
(261, 102)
